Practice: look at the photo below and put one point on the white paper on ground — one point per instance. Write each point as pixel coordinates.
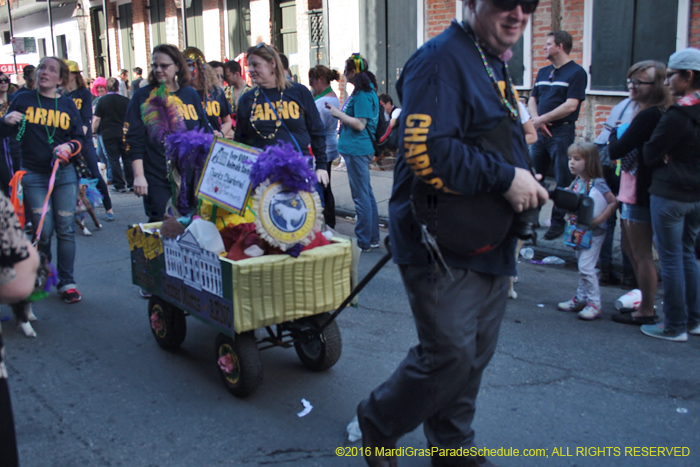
(307, 408)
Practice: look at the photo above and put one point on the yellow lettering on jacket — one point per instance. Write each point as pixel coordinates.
(213, 109)
(65, 121)
(416, 149)
(48, 117)
(294, 110)
(269, 114)
(283, 110)
(192, 112)
(415, 135)
(419, 120)
(41, 116)
(258, 113)
(78, 103)
(52, 118)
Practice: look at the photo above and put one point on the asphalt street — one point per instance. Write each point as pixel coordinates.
(94, 389)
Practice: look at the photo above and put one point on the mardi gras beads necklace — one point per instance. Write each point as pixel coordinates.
(55, 100)
(278, 122)
(22, 128)
(513, 110)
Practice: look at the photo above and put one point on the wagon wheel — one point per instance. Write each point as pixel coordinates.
(319, 351)
(239, 363)
(168, 323)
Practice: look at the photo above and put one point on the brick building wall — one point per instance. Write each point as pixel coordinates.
(438, 14)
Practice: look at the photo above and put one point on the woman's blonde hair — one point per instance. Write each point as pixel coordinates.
(269, 53)
(589, 153)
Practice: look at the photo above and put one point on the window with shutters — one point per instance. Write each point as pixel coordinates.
(619, 33)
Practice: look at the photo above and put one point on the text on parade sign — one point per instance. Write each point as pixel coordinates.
(226, 177)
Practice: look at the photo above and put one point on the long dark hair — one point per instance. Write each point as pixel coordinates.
(183, 72)
(363, 77)
(80, 81)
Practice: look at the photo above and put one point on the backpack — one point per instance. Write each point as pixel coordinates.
(378, 140)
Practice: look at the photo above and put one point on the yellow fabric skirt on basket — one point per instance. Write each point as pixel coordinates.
(273, 289)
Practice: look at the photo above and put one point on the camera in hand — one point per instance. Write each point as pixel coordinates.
(581, 205)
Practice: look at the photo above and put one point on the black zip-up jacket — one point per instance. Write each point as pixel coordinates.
(677, 136)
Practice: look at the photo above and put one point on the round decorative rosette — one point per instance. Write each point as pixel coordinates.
(287, 208)
(286, 217)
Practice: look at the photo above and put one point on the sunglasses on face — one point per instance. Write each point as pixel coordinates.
(4, 81)
(528, 6)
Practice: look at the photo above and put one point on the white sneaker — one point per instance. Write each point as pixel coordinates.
(590, 312)
(571, 305)
(695, 331)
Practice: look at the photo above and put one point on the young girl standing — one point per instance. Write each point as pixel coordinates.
(584, 164)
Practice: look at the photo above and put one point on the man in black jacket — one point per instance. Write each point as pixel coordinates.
(453, 108)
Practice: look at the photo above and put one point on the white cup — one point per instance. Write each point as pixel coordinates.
(527, 253)
(630, 301)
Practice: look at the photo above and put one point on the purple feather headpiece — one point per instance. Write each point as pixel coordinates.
(161, 114)
(187, 150)
(282, 163)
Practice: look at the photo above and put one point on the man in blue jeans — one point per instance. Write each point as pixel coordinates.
(554, 106)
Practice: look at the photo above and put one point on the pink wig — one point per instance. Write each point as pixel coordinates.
(98, 82)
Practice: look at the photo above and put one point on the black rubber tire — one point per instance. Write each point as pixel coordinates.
(323, 350)
(247, 375)
(174, 324)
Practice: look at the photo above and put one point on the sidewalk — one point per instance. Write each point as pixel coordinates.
(382, 184)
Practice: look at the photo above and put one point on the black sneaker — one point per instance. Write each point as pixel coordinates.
(71, 296)
(555, 231)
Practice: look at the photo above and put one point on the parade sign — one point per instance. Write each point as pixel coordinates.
(23, 45)
(225, 179)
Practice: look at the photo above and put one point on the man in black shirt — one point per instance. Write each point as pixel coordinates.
(554, 106)
(109, 122)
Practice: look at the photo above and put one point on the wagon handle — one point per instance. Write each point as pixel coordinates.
(361, 285)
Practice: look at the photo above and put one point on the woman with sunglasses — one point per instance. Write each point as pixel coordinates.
(77, 90)
(672, 152)
(645, 81)
(148, 155)
(358, 121)
(279, 110)
(47, 123)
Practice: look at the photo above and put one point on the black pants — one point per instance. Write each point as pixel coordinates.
(329, 208)
(438, 381)
(116, 148)
(154, 204)
(8, 443)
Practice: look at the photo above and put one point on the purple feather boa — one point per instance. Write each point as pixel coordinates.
(282, 163)
(187, 150)
(161, 114)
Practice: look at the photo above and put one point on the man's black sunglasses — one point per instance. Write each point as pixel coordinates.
(528, 6)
